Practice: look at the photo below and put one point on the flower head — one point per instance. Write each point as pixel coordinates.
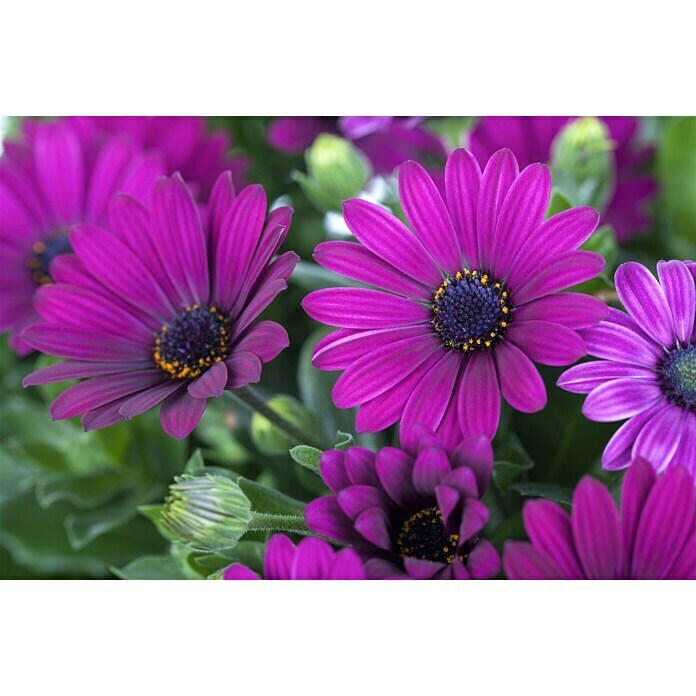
(50, 179)
(466, 300)
(387, 141)
(414, 515)
(653, 539)
(531, 138)
(161, 307)
(647, 371)
(311, 559)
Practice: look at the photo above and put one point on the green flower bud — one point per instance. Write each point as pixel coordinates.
(208, 512)
(336, 171)
(583, 163)
(270, 439)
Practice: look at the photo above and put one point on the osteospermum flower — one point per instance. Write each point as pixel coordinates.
(531, 138)
(181, 141)
(311, 559)
(466, 300)
(161, 308)
(410, 515)
(49, 179)
(648, 369)
(387, 141)
(653, 539)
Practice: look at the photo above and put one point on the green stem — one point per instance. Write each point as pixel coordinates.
(278, 523)
(252, 401)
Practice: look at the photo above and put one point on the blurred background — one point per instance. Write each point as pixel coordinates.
(85, 505)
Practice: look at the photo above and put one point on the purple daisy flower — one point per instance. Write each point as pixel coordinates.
(410, 515)
(647, 373)
(182, 142)
(161, 307)
(387, 141)
(311, 559)
(466, 300)
(50, 179)
(654, 539)
(531, 138)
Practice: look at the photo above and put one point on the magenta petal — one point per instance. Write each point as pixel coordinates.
(387, 237)
(665, 524)
(360, 467)
(354, 500)
(73, 369)
(278, 561)
(596, 531)
(447, 500)
(431, 467)
(221, 199)
(462, 183)
(642, 296)
(479, 397)
(522, 561)
(640, 480)
(549, 529)
(582, 379)
(616, 454)
(546, 343)
(373, 524)
(395, 468)
(242, 368)
(180, 414)
(475, 453)
(519, 380)
(313, 559)
(619, 399)
(211, 383)
(265, 339)
(619, 343)
(680, 292)
(419, 569)
(149, 398)
(427, 214)
(474, 518)
(107, 172)
(346, 565)
(684, 567)
(325, 517)
(333, 470)
(571, 309)
(659, 439)
(237, 571)
(483, 561)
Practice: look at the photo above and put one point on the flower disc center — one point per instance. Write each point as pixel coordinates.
(423, 535)
(677, 372)
(43, 252)
(470, 311)
(191, 343)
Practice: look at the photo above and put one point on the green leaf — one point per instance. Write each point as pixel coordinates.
(269, 500)
(150, 568)
(307, 457)
(558, 203)
(550, 491)
(83, 491)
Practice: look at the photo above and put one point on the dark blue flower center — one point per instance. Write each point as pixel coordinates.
(43, 252)
(423, 536)
(470, 311)
(191, 343)
(677, 372)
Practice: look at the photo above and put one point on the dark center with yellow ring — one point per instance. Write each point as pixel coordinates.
(43, 252)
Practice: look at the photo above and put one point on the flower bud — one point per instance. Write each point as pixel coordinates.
(208, 512)
(270, 439)
(336, 171)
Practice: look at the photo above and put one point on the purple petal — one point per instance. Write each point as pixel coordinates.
(447, 501)
(293, 134)
(546, 343)
(582, 379)
(387, 237)
(373, 524)
(360, 467)
(242, 368)
(617, 453)
(522, 561)
(325, 517)
(521, 214)
(149, 398)
(613, 342)
(346, 565)
(462, 183)
(680, 292)
(464, 481)
(355, 261)
(549, 529)
(278, 561)
(265, 339)
(419, 569)
(431, 467)
(483, 561)
(659, 439)
(498, 176)
(107, 172)
(474, 519)
(596, 531)
(354, 500)
(619, 399)
(642, 296)
(427, 214)
(479, 397)
(333, 470)
(180, 414)
(72, 369)
(395, 469)
(475, 453)
(684, 567)
(211, 383)
(665, 524)
(355, 308)
(221, 199)
(313, 559)
(519, 380)
(237, 571)
(571, 309)
(640, 480)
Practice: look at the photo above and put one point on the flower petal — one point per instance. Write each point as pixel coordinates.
(571, 309)
(373, 524)
(211, 383)
(619, 399)
(479, 397)
(519, 379)
(680, 292)
(522, 561)
(639, 481)
(582, 379)
(546, 343)
(180, 414)
(462, 184)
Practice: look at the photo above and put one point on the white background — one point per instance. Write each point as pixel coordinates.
(355, 57)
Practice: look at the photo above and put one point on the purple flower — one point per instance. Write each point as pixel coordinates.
(387, 141)
(161, 307)
(181, 141)
(466, 300)
(410, 515)
(311, 559)
(655, 538)
(50, 179)
(531, 137)
(648, 369)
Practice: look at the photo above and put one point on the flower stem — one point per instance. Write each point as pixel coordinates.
(278, 523)
(252, 401)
